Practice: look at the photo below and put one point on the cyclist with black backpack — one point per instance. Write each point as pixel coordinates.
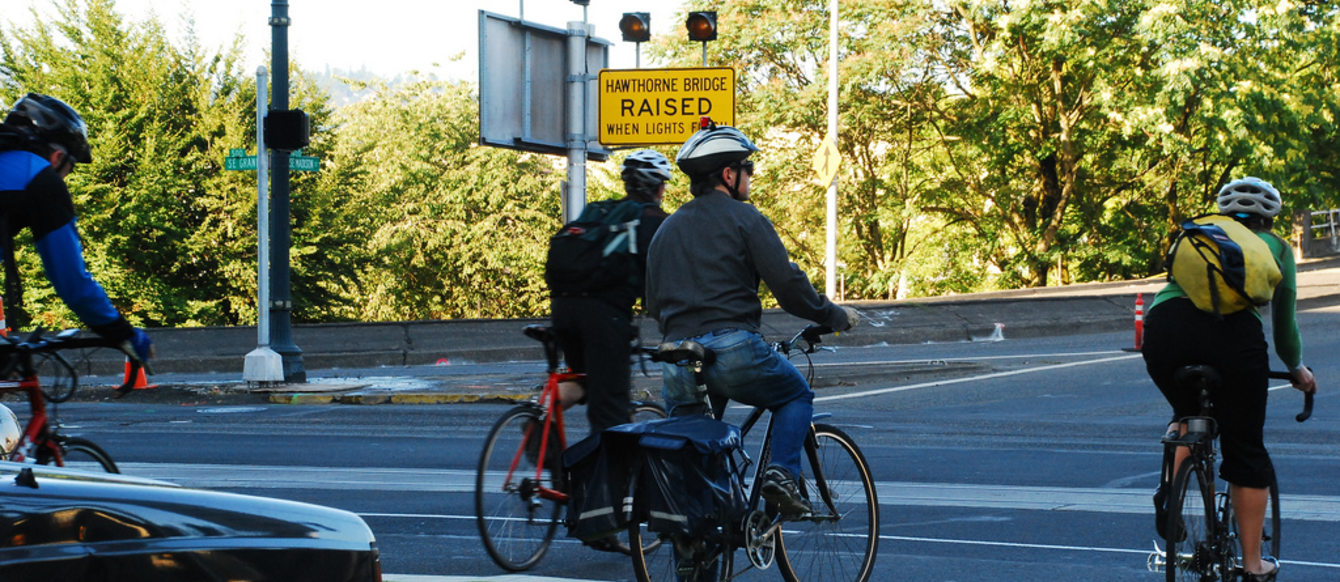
(594, 282)
(41, 140)
(1178, 332)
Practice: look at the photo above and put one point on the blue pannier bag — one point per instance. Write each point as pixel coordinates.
(599, 471)
(685, 481)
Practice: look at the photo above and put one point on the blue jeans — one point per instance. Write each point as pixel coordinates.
(747, 370)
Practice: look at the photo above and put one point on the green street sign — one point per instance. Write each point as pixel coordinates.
(239, 163)
(248, 163)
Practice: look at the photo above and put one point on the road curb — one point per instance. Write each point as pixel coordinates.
(395, 398)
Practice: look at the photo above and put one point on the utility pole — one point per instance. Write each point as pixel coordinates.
(576, 116)
(281, 300)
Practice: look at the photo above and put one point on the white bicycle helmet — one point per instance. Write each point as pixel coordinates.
(10, 431)
(712, 148)
(648, 166)
(1250, 195)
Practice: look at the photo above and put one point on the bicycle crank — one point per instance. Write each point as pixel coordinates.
(760, 538)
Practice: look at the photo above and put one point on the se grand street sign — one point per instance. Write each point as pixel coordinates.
(662, 106)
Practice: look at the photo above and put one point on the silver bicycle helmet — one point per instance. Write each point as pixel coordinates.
(712, 148)
(647, 165)
(10, 431)
(1249, 195)
(50, 120)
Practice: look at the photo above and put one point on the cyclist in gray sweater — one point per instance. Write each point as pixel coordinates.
(703, 272)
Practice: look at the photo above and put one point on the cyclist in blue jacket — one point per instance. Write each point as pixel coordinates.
(41, 140)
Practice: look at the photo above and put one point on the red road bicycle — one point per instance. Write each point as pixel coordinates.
(520, 493)
(26, 362)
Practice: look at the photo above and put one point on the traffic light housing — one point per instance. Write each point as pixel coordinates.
(635, 26)
(287, 129)
(702, 25)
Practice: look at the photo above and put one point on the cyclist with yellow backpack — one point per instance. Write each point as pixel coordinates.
(1199, 318)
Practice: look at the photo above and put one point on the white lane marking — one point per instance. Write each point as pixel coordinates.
(890, 390)
(970, 359)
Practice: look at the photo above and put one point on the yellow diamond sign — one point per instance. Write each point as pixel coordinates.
(827, 160)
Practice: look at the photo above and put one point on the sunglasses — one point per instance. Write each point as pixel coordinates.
(746, 166)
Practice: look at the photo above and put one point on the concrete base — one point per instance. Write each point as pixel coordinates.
(263, 365)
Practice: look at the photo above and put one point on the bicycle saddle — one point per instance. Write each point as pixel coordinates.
(1196, 376)
(687, 351)
(543, 333)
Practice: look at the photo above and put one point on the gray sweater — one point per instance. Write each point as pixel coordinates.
(704, 267)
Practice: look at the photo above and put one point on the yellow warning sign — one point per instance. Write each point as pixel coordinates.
(827, 160)
(662, 106)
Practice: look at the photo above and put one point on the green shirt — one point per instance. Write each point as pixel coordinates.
(1283, 307)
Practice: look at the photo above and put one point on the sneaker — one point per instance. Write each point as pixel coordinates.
(1264, 576)
(780, 489)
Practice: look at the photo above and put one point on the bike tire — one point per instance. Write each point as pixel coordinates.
(644, 411)
(515, 524)
(839, 541)
(660, 559)
(1190, 551)
(78, 453)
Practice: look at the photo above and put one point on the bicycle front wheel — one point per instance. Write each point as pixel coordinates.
(77, 453)
(678, 558)
(515, 522)
(1191, 552)
(840, 538)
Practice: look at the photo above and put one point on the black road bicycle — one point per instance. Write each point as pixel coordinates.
(836, 542)
(1200, 530)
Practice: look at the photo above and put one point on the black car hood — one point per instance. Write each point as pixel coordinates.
(112, 512)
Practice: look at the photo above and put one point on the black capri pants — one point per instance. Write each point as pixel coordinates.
(1178, 334)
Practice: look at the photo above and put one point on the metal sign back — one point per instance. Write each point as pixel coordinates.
(523, 86)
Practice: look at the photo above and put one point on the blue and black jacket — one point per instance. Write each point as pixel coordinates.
(33, 196)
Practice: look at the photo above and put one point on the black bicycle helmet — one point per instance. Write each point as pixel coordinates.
(712, 148)
(51, 121)
(647, 166)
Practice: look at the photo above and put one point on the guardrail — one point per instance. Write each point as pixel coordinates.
(1317, 233)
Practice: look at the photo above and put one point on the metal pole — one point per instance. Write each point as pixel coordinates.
(262, 364)
(576, 192)
(830, 248)
(262, 217)
(281, 303)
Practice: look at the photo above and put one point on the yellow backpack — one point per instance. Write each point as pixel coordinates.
(1222, 265)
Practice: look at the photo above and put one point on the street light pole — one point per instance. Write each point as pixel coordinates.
(281, 300)
(830, 247)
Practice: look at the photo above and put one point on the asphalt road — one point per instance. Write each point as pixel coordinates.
(995, 460)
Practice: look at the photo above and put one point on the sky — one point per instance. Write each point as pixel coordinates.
(385, 36)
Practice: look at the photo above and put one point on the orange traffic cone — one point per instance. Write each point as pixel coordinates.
(1139, 323)
(140, 382)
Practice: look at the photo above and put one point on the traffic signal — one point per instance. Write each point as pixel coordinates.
(635, 26)
(702, 25)
(287, 129)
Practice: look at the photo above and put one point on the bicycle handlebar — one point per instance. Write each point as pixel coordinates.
(69, 339)
(1307, 396)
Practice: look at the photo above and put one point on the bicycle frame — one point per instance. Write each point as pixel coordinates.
(36, 433)
(553, 425)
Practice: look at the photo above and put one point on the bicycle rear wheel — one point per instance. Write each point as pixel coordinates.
(678, 558)
(79, 454)
(839, 540)
(514, 521)
(1191, 552)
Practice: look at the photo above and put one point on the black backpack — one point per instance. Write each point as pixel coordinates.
(597, 251)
